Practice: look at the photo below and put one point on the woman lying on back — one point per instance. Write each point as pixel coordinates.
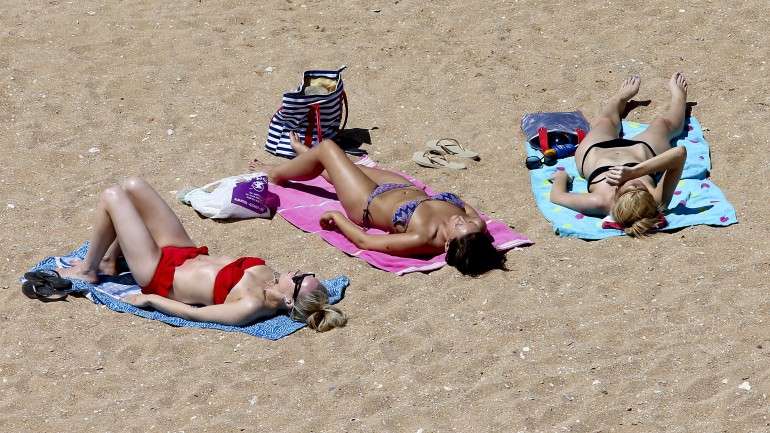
(631, 179)
(176, 276)
(417, 224)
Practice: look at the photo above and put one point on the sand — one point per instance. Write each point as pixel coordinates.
(620, 335)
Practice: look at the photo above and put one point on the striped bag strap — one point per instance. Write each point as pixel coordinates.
(313, 119)
(344, 98)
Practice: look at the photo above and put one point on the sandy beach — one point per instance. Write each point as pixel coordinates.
(665, 334)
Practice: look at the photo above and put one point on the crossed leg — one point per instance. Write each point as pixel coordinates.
(663, 128)
(606, 126)
(378, 175)
(352, 184)
(140, 221)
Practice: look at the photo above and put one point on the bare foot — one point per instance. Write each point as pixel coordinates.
(298, 146)
(108, 266)
(678, 85)
(78, 272)
(256, 165)
(629, 88)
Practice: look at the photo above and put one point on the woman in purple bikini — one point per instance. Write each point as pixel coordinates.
(417, 224)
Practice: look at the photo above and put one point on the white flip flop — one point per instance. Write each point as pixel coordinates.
(432, 159)
(450, 146)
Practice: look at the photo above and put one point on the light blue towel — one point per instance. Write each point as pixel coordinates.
(696, 200)
(108, 293)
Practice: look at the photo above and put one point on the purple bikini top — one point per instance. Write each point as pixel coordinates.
(405, 211)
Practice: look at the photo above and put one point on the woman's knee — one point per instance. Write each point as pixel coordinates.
(605, 122)
(327, 146)
(665, 124)
(113, 194)
(133, 184)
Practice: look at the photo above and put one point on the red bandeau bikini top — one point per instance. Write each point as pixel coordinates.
(229, 276)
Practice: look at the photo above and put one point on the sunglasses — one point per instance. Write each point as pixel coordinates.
(534, 162)
(298, 283)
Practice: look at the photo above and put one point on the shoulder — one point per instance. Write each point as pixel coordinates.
(601, 202)
(420, 231)
(253, 282)
(428, 235)
(258, 271)
(595, 203)
(251, 302)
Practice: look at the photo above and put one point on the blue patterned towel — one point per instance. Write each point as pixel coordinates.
(697, 200)
(109, 291)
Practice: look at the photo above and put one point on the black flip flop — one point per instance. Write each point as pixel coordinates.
(47, 284)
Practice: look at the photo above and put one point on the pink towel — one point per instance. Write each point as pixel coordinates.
(303, 203)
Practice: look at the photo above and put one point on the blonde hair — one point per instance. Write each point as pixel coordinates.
(314, 309)
(636, 211)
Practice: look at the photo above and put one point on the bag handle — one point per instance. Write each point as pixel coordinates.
(344, 97)
(542, 135)
(313, 118)
(580, 134)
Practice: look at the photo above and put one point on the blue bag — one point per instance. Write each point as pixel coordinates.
(561, 131)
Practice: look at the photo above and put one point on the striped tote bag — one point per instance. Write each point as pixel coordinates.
(313, 111)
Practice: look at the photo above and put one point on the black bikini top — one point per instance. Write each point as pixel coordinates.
(617, 142)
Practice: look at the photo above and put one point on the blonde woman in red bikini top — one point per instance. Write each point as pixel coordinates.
(182, 279)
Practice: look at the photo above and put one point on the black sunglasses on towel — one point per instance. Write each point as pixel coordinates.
(298, 284)
(534, 162)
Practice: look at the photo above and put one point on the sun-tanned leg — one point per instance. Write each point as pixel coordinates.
(350, 182)
(109, 263)
(117, 218)
(663, 128)
(606, 126)
(160, 219)
(379, 176)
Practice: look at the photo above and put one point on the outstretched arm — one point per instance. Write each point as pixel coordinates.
(396, 244)
(237, 313)
(589, 204)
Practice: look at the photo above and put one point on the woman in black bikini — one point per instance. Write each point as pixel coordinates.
(417, 224)
(179, 278)
(633, 180)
